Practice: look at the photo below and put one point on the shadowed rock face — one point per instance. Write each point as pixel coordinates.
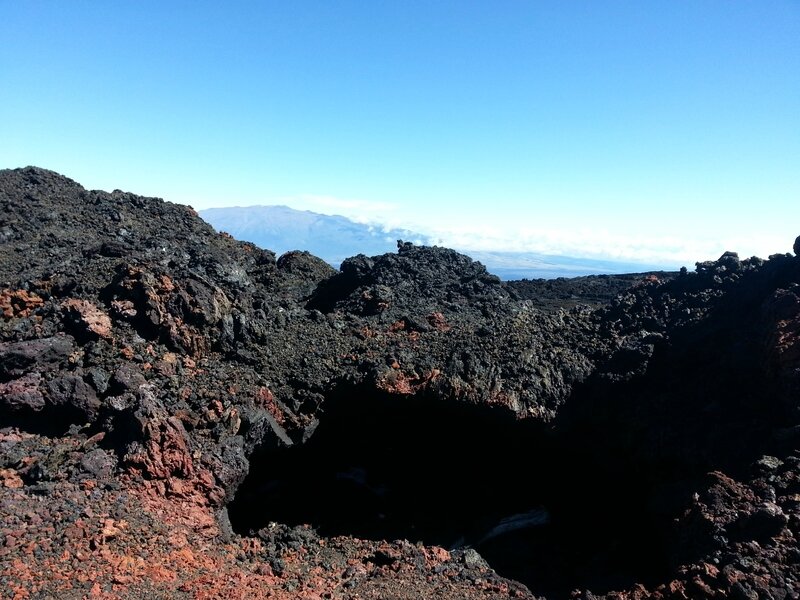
(161, 383)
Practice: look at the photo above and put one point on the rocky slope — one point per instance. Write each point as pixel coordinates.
(184, 415)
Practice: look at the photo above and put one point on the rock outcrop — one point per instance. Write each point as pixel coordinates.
(205, 420)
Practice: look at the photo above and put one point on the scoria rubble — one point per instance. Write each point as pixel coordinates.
(183, 415)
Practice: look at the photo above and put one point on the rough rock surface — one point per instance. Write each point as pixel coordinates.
(389, 416)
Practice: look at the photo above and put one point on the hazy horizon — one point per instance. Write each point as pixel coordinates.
(478, 241)
(334, 237)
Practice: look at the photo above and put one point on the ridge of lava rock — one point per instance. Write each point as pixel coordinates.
(169, 390)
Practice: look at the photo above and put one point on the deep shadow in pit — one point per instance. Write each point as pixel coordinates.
(380, 467)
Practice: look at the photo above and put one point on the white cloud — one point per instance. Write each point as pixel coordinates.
(631, 241)
(664, 249)
(361, 211)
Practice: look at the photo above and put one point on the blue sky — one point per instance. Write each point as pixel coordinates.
(665, 131)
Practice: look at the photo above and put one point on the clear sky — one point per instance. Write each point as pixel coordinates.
(658, 130)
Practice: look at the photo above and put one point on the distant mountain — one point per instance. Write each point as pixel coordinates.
(331, 237)
(334, 238)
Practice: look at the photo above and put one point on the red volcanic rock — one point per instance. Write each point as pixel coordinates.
(438, 321)
(10, 479)
(87, 318)
(18, 303)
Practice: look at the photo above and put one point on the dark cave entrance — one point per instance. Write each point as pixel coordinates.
(449, 474)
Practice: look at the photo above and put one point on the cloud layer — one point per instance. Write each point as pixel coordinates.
(630, 241)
